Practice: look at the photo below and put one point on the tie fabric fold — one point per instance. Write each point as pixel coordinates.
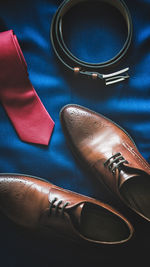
(28, 115)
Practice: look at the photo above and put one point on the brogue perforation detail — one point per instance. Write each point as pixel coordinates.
(118, 159)
(57, 206)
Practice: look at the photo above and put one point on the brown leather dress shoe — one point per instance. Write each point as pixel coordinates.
(111, 154)
(34, 203)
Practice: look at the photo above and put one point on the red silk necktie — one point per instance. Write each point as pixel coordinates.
(17, 95)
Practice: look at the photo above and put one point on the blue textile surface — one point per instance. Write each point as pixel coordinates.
(90, 37)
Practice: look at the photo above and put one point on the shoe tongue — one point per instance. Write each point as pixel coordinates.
(125, 175)
(75, 213)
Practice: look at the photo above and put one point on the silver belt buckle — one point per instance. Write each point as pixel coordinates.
(116, 77)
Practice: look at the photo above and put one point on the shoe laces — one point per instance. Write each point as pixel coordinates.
(57, 206)
(118, 159)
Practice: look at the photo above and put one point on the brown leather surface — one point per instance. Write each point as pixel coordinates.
(26, 200)
(94, 139)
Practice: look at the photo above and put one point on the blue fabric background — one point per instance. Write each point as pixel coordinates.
(127, 103)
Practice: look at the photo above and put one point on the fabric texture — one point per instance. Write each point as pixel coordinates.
(94, 35)
(29, 117)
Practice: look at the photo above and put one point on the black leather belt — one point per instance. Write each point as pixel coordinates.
(94, 70)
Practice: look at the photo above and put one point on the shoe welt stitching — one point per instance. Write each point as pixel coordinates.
(130, 149)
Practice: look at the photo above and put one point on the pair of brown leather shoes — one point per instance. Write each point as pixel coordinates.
(112, 155)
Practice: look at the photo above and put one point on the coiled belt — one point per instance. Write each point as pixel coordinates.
(85, 68)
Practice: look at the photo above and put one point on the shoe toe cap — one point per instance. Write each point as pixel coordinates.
(79, 123)
(19, 199)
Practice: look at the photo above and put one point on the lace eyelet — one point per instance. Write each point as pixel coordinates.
(116, 159)
(57, 206)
